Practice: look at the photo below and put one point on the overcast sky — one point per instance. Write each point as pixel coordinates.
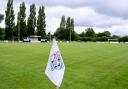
(102, 15)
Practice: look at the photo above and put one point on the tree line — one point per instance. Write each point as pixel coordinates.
(66, 32)
(37, 26)
(66, 29)
(23, 28)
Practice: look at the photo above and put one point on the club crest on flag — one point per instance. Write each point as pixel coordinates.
(56, 61)
(55, 67)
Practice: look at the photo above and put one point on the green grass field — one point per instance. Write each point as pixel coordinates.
(88, 66)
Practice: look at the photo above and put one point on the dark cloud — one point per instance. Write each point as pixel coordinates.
(114, 8)
(66, 3)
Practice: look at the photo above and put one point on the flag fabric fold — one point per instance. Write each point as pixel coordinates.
(55, 67)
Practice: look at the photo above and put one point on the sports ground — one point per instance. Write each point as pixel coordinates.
(88, 66)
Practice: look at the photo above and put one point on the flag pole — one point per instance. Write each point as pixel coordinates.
(57, 87)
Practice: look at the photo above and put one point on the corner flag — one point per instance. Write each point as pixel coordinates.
(55, 67)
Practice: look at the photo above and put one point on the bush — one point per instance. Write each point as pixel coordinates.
(86, 39)
(1, 33)
(123, 39)
(102, 39)
(93, 39)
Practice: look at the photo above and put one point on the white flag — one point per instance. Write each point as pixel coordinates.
(55, 67)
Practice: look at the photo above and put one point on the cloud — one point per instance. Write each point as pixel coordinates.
(52, 24)
(113, 8)
(2, 6)
(66, 3)
(103, 15)
(120, 30)
(84, 16)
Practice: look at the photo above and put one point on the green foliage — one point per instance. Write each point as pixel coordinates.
(76, 36)
(73, 35)
(115, 37)
(21, 22)
(85, 39)
(1, 17)
(49, 36)
(9, 20)
(66, 29)
(102, 38)
(123, 39)
(41, 24)
(12, 31)
(90, 32)
(105, 33)
(62, 32)
(15, 33)
(90, 35)
(59, 34)
(31, 24)
(2, 30)
(63, 23)
(82, 34)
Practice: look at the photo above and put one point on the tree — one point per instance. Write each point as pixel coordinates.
(61, 31)
(123, 39)
(100, 34)
(21, 22)
(63, 22)
(115, 37)
(104, 38)
(58, 34)
(82, 34)
(62, 28)
(90, 32)
(1, 17)
(104, 34)
(9, 20)
(49, 36)
(107, 33)
(72, 29)
(31, 21)
(41, 24)
(68, 27)
(2, 33)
